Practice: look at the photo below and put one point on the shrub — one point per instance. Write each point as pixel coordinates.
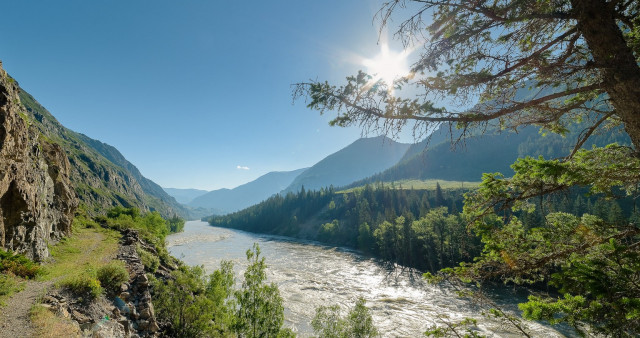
(149, 260)
(84, 285)
(112, 275)
(18, 265)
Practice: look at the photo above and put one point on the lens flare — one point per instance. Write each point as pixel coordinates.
(388, 66)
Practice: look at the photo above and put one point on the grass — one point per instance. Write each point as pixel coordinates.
(18, 265)
(9, 284)
(47, 324)
(421, 185)
(88, 249)
(74, 264)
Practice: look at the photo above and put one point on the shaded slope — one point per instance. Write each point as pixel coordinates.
(361, 159)
(485, 153)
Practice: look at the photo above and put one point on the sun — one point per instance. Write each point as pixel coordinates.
(388, 65)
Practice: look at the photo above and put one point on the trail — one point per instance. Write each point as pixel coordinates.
(14, 316)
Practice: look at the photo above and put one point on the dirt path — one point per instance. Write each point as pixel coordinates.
(14, 316)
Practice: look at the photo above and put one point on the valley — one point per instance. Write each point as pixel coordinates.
(327, 169)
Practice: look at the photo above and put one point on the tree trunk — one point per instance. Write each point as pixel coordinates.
(615, 59)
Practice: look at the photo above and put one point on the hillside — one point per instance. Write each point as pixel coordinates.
(230, 200)
(491, 152)
(100, 175)
(362, 158)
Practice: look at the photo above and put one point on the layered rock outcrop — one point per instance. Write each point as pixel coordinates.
(37, 201)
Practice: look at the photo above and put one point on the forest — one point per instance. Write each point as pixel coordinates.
(419, 228)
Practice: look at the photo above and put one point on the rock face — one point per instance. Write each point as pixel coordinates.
(36, 199)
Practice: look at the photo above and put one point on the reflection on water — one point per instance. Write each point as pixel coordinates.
(309, 275)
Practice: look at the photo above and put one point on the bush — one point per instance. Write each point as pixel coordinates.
(84, 285)
(113, 275)
(149, 260)
(18, 265)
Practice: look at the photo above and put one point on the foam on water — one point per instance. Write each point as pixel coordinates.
(309, 275)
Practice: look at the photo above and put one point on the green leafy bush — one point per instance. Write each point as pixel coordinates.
(175, 224)
(84, 285)
(18, 265)
(201, 305)
(113, 275)
(149, 260)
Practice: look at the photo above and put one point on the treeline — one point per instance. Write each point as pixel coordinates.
(422, 229)
(417, 228)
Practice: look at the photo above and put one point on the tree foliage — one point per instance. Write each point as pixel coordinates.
(507, 64)
(358, 323)
(398, 225)
(201, 305)
(512, 63)
(260, 312)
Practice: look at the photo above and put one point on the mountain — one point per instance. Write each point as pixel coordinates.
(184, 196)
(37, 201)
(230, 200)
(101, 177)
(362, 158)
(489, 152)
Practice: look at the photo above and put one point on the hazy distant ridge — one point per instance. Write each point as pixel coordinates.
(184, 196)
(360, 159)
(230, 200)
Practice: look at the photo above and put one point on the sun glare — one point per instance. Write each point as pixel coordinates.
(388, 66)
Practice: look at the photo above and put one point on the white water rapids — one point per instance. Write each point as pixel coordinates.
(309, 275)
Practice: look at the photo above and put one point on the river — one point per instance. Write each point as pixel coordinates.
(309, 275)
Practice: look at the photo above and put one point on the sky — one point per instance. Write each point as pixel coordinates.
(195, 93)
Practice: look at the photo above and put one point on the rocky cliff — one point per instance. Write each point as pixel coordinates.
(37, 201)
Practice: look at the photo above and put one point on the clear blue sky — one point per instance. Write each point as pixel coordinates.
(189, 91)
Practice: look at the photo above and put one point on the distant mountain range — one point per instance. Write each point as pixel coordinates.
(360, 159)
(184, 196)
(230, 200)
(369, 160)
